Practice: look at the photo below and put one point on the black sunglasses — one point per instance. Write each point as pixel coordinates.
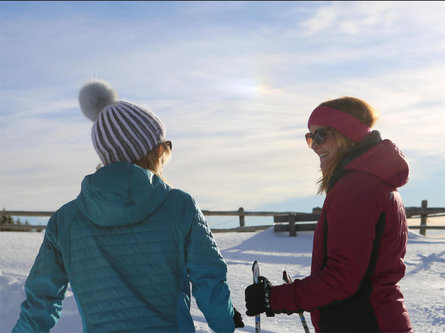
(169, 144)
(319, 136)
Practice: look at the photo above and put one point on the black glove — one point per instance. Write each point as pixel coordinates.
(257, 297)
(238, 319)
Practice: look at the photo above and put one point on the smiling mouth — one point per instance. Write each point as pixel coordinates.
(323, 155)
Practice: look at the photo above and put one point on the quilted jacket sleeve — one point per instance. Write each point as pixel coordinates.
(44, 288)
(207, 272)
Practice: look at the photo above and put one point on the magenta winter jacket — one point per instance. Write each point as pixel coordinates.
(359, 245)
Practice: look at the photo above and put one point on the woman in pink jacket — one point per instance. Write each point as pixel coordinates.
(360, 238)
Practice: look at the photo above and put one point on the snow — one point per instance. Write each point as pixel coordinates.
(423, 285)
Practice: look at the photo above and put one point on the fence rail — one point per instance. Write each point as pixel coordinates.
(424, 212)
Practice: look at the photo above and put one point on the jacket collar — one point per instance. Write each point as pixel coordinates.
(357, 150)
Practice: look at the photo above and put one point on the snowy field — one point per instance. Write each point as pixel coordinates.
(423, 285)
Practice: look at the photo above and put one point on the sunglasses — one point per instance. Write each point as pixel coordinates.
(168, 144)
(319, 136)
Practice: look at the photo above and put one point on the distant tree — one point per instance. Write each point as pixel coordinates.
(7, 220)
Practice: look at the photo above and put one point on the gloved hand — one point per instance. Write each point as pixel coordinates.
(257, 297)
(238, 319)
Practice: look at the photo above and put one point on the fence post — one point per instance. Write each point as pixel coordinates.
(423, 218)
(241, 217)
(292, 231)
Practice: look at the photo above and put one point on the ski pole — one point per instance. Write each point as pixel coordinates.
(287, 279)
(256, 275)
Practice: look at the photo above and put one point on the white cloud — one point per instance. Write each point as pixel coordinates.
(324, 18)
(368, 17)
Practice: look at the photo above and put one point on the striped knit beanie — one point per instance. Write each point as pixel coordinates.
(122, 131)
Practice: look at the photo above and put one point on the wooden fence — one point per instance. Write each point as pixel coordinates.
(282, 221)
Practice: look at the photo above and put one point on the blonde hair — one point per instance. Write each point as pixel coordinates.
(344, 146)
(358, 109)
(155, 160)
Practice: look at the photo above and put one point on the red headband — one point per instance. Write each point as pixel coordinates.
(341, 121)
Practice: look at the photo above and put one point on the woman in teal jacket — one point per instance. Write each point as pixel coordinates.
(129, 244)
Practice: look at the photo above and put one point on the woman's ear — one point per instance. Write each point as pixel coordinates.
(161, 150)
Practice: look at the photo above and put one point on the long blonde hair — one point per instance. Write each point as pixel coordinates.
(155, 160)
(358, 109)
(344, 147)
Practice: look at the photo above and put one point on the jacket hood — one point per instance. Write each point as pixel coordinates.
(121, 194)
(382, 159)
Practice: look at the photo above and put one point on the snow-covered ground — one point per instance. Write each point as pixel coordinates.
(423, 285)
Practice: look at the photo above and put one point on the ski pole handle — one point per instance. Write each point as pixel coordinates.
(286, 277)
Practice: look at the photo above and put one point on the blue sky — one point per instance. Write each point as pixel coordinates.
(234, 83)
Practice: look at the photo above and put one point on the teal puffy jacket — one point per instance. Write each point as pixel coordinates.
(130, 246)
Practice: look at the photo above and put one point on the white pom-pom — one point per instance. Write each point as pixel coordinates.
(94, 96)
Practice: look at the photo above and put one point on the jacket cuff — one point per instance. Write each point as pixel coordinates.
(282, 298)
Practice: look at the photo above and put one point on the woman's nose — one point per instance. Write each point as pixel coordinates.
(314, 145)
